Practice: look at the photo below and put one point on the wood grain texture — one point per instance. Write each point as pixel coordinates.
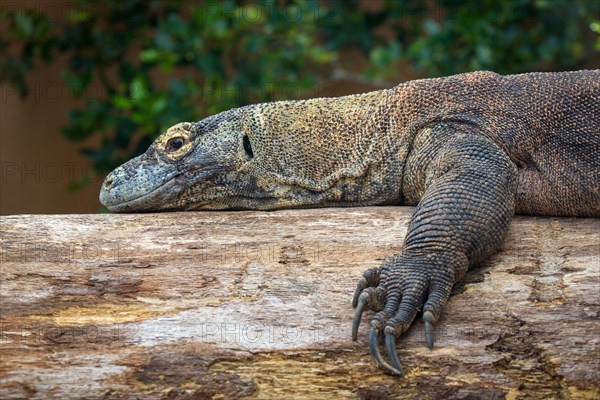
(257, 304)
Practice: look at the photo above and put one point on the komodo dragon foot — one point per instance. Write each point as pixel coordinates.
(397, 291)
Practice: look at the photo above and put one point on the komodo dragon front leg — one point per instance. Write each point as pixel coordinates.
(467, 187)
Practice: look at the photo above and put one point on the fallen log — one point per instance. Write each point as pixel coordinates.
(234, 304)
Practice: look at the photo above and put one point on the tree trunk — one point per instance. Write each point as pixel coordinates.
(234, 304)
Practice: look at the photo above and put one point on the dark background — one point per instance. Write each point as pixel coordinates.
(86, 85)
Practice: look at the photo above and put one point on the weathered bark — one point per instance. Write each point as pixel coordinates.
(258, 304)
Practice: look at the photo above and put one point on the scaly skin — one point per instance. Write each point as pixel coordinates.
(469, 150)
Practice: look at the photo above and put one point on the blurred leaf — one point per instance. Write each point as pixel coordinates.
(138, 90)
(595, 27)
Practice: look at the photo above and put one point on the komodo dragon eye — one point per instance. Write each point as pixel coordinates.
(175, 143)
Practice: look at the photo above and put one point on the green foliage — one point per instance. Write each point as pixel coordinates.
(504, 36)
(146, 65)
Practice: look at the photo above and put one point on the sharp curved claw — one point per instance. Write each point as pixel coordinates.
(379, 361)
(429, 337)
(390, 345)
(375, 349)
(358, 315)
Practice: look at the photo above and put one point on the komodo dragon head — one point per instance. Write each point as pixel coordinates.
(266, 156)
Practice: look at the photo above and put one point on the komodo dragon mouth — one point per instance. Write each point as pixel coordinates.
(116, 201)
(159, 192)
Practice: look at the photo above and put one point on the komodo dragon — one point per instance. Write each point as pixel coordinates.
(468, 150)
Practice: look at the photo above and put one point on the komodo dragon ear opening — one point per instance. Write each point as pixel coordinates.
(248, 148)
